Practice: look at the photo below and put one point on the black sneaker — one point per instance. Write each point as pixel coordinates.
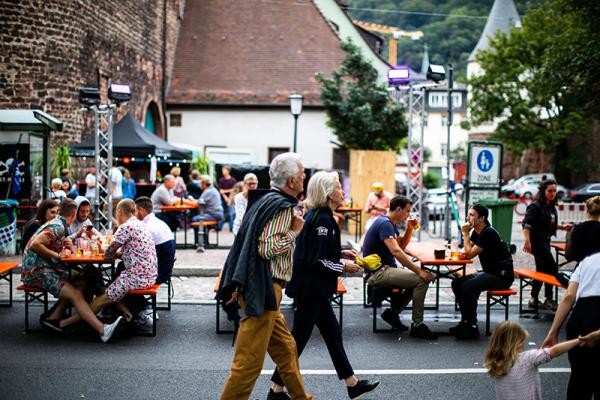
(455, 329)
(278, 396)
(422, 331)
(52, 324)
(468, 332)
(361, 387)
(388, 316)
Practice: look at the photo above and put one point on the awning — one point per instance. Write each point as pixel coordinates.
(131, 139)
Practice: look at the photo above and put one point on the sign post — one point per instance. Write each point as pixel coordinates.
(484, 171)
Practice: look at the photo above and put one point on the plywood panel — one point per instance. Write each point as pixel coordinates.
(366, 167)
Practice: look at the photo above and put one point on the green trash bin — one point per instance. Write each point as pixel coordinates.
(502, 218)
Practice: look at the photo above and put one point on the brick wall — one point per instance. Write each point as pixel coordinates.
(49, 49)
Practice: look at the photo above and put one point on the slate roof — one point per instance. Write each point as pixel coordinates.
(252, 52)
(503, 17)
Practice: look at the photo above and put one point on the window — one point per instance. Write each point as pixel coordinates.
(443, 149)
(594, 188)
(275, 151)
(444, 120)
(175, 120)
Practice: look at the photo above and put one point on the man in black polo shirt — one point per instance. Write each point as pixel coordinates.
(496, 263)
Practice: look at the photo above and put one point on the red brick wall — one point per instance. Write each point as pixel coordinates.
(49, 49)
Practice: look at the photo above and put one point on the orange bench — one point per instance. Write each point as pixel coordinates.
(208, 226)
(337, 298)
(150, 294)
(497, 297)
(6, 269)
(32, 295)
(527, 277)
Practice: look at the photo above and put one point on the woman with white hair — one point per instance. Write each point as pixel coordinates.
(317, 263)
(240, 200)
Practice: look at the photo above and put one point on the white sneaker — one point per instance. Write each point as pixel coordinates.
(109, 329)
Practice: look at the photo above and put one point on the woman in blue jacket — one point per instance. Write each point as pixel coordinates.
(318, 262)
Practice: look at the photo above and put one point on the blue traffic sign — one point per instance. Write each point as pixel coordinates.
(485, 161)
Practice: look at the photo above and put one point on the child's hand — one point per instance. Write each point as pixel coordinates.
(550, 341)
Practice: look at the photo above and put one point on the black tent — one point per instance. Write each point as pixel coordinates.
(131, 139)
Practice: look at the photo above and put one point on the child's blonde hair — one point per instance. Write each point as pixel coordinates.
(503, 349)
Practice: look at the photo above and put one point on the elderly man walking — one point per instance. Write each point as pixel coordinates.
(257, 268)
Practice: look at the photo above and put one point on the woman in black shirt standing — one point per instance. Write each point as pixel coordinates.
(539, 225)
(496, 263)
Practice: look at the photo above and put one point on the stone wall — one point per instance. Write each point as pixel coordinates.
(49, 49)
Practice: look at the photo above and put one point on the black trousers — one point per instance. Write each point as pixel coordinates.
(468, 288)
(584, 381)
(546, 263)
(311, 311)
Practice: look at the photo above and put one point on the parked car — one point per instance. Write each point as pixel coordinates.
(514, 185)
(583, 192)
(435, 201)
(530, 190)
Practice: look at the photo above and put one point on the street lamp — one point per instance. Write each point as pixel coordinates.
(296, 109)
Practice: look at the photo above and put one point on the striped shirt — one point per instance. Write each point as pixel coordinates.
(277, 242)
(523, 380)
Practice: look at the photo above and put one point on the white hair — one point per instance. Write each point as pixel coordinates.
(56, 182)
(249, 176)
(320, 186)
(283, 167)
(206, 179)
(168, 177)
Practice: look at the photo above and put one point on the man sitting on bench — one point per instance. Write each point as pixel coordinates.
(497, 265)
(383, 239)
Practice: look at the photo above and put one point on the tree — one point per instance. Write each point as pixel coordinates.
(539, 102)
(359, 111)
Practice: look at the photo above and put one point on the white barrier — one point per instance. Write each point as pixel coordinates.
(571, 212)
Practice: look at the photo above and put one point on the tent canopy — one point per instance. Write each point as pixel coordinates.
(131, 139)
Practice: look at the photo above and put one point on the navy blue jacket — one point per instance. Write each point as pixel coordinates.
(317, 263)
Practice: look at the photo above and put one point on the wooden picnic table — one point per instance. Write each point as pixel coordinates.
(353, 214)
(185, 210)
(424, 253)
(72, 261)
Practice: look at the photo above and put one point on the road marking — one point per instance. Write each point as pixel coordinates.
(447, 371)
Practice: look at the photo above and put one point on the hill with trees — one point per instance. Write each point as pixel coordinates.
(451, 27)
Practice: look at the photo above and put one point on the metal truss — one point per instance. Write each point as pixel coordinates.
(413, 97)
(103, 117)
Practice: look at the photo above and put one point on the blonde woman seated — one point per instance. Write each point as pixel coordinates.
(133, 240)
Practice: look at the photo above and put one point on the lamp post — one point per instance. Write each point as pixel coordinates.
(296, 109)
(449, 125)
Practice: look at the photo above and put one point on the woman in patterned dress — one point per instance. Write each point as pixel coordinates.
(135, 244)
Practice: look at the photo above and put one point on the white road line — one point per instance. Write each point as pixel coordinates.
(448, 371)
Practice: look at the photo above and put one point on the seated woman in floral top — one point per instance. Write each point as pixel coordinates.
(135, 242)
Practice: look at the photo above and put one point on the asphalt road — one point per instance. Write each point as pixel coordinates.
(187, 360)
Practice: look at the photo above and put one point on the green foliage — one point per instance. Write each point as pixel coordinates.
(359, 111)
(431, 180)
(61, 159)
(533, 81)
(201, 163)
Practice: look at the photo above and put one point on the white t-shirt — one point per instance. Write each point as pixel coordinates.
(160, 231)
(90, 192)
(240, 203)
(587, 275)
(116, 177)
